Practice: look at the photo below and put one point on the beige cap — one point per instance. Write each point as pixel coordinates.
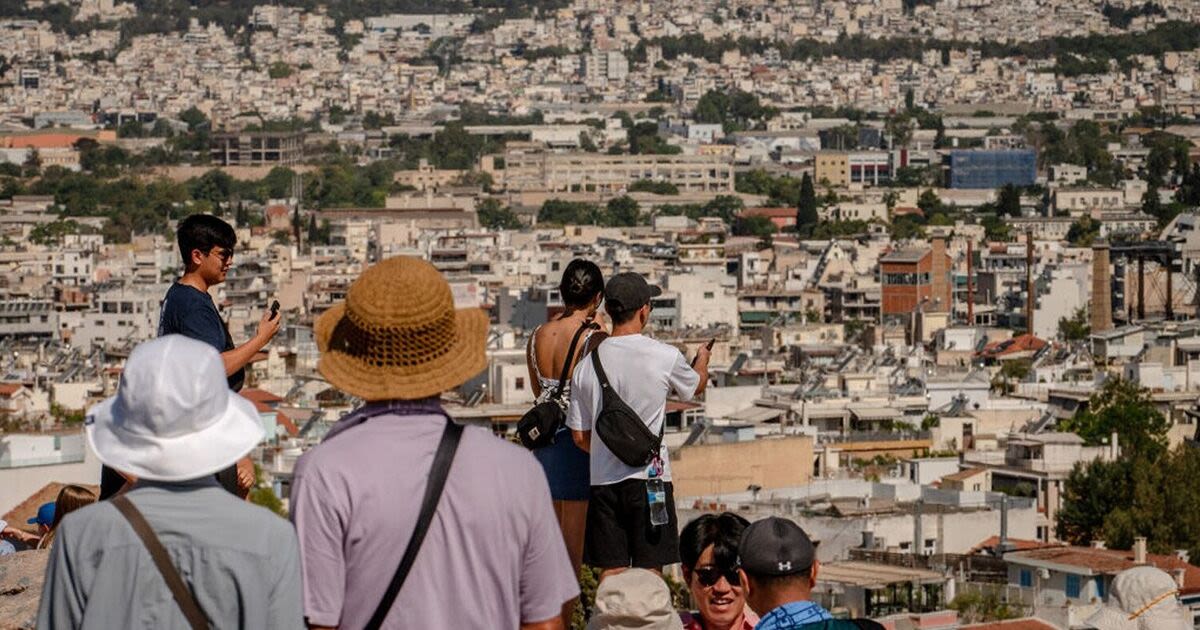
(1142, 598)
(634, 599)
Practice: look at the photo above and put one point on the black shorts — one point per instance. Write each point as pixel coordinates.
(619, 533)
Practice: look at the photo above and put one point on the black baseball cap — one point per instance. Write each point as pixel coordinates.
(776, 546)
(628, 291)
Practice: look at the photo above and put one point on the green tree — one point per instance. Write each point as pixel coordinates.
(494, 215)
(620, 212)
(806, 211)
(929, 202)
(1122, 407)
(559, 212)
(1077, 327)
(279, 70)
(1083, 232)
(761, 227)
(194, 118)
(651, 186)
(1009, 201)
(32, 166)
(1014, 370)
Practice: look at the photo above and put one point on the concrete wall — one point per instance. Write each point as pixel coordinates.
(951, 532)
(17, 484)
(720, 468)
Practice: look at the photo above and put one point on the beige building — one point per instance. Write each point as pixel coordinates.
(770, 464)
(833, 168)
(1081, 201)
(426, 177)
(528, 167)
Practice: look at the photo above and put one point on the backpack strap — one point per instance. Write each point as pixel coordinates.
(442, 460)
(187, 603)
(564, 376)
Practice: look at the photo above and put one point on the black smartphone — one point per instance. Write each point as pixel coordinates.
(274, 309)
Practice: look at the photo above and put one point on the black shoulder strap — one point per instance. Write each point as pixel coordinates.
(564, 376)
(606, 387)
(187, 604)
(433, 493)
(600, 375)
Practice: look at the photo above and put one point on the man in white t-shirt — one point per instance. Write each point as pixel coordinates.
(642, 372)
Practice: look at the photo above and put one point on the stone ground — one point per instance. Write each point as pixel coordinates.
(20, 588)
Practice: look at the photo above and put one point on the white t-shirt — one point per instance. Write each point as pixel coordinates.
(642, 372)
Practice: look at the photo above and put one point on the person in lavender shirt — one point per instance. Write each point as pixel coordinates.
(493, 556)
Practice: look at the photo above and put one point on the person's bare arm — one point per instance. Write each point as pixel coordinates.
(240, 356)
(549, 624)
(529, 363)
(583, 439)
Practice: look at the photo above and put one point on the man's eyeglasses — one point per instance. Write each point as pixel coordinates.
(710, 574)
(222, 253)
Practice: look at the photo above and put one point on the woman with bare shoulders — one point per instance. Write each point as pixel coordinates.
(566, 466)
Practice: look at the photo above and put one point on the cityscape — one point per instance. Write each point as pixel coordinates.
(945, 254)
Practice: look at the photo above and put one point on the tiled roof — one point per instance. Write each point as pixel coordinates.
(1018, 344)
(1017, 544)
(8, 389)
(1109, 562)
(287, 424)
(260, 395)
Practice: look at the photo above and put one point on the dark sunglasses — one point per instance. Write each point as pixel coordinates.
(223, 254)
(710, 574)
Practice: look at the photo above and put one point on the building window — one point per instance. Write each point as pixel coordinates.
(1100, 586)
(1073, 586)
(708, 295)
(520, 383)
(1026, 578)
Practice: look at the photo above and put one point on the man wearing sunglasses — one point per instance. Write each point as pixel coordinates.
(708, 549)
(206, 245)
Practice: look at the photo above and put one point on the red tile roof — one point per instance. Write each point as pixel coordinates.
(255, 394)
(8, 389)
(1017, 544)
(1016, 345)
(287, 424)
(1111, 562)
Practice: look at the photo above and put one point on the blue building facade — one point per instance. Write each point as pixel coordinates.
(992, 169)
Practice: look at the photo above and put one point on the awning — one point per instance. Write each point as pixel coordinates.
(755, 415)
(864, 414)
(871, 575)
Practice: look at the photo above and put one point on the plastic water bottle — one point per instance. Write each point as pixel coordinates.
(656, 497)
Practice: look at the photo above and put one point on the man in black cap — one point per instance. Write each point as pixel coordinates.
(631, 515)
(778, 566)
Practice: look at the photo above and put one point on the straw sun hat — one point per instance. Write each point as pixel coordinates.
(398, 336)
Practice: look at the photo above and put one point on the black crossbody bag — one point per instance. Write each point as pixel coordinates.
(621, 428)
(537, 427)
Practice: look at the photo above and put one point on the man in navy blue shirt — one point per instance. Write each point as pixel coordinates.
(206, 245)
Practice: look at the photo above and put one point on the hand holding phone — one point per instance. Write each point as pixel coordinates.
(274, 309)
(707, 348)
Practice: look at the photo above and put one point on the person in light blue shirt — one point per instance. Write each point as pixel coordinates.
(778, 566)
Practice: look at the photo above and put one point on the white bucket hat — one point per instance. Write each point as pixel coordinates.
(174, 417)
(1142, 598)
(634, 599)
